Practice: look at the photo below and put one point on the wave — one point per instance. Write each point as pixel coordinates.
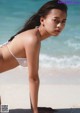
(60, 62)
(73, 44)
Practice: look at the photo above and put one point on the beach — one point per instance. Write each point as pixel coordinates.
(58, 89)
(59, 71)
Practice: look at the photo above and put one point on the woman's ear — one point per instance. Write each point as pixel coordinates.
(42, 21)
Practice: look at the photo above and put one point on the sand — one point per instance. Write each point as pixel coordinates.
(58, 88)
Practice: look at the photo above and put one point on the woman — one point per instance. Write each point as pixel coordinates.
(24, 48)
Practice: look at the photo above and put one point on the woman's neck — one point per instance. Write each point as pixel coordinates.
(43, 33)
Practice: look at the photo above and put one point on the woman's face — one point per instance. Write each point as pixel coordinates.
(54, 22)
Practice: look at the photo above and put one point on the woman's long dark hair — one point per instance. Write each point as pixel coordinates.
(42, 12)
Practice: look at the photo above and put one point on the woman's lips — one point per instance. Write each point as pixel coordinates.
(58, 31)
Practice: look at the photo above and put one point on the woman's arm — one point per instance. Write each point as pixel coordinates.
(32, 48)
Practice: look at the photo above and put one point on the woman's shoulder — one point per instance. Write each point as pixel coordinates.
(31, 36)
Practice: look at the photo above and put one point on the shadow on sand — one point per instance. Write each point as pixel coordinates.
(46, 110)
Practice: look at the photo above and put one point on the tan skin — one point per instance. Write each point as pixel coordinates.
(27, 45)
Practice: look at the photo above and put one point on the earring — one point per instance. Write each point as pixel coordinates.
(43, 25)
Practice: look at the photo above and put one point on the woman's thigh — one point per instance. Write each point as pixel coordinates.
(1, 58)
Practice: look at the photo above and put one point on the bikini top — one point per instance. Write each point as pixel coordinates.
(21, 61)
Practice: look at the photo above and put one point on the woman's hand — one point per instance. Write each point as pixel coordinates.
(36, 111)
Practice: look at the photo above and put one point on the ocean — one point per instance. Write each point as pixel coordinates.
(56, 52)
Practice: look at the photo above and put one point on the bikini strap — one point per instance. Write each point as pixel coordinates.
(11, 52)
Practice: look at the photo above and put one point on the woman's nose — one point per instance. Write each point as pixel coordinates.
(59, 25)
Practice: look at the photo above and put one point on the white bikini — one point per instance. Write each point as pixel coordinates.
(21, 61)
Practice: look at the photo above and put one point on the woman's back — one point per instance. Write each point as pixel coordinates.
(14, 53)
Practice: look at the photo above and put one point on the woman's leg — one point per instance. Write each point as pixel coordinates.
(0, 100)
(1, 60)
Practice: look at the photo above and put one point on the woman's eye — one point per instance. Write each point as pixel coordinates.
(58, 21)
(63, 22)
(55, 20)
